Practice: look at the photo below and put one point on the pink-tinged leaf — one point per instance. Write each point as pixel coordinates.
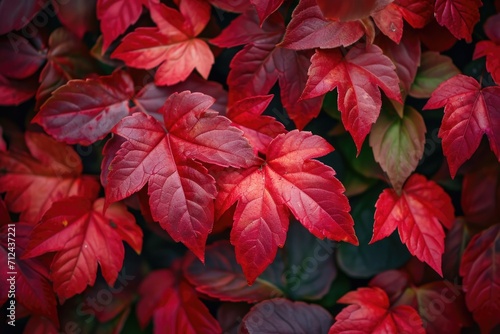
(116, 17)
(247, 115)
(309, 29)
(371, 312)
(434, 69)
(164, 291)
(84, 111)
(172, 45)
(82, 235)
(339, 10)
(17, 14)
(152, 97)
(14, 92)
(50, 168)
(440, 304)
(289, 178)
(33, 289)
(266, 7)
(398, 144)
(390, 22)
(180, 189)
(480, 268)
(19, 59)
(40, 325)
(284, 316)
(416, 12)
(491, 49)
(417, 214)
(491, 28)
(469, 113)
(234, 6)
(222, 278)
(78, 16)
(357, 77)
(67, 58)
(459, 16)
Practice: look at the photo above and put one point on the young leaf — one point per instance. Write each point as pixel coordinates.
(459, 16)
(49, 172)
(398, 144)
(173, 304)
(221, 277)
(491, 49)
(161, 155)
(172, 45)
(284, 316)
(480, 268)
(469, 113)
(83, 235)
(357, 76)
(417, 214)
(371, 312)
(288, 179)
(84, 111)
(434, 69)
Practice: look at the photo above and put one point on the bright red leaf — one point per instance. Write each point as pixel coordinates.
(390, 22)
(84, 111)
(82, 235)
(288, 179)
(281, 315)
(33, 289)
(172, 45)
(181, 190)
(459, 16)
(49, 168)
(357, 77)
(371, 312)
(491, 49)
(416, 12)
(469, 112)
(417, 214)
(173, 304)
(480, 268)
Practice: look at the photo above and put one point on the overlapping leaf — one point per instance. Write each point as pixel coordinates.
(470, 112)
(417, 214)
(491, 48)
(288, 180)
(161, 155)
(82, 234)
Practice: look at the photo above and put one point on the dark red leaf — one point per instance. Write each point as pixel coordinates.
(491, 49)
(459, 16)
(78, 16)
(17, 14)
(417, 214)
(14, 92)
(40, 325)
(470, 112)
(19, 58)
(284, 316)
(84, 111)
(339, 10)
(481, 278)
(266, 7)
(82, 235)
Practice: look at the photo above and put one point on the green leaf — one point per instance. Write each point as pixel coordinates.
(398, 143)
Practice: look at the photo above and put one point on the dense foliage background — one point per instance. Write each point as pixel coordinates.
(208, 166)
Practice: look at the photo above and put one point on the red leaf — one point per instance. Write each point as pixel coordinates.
(221, 277)
(246, 115)
(181, 191)
(116, 16)
(459, 16)
(40, 325)
(309, 29)
(390, 22)
(491, 49)
(481, 278)
(33, 289)
(78, 16)
(339, 10)
(14, 92)
(174, 305)
(20, 59)
(357, 76)
(172, 45)
(33, 180)
(235, 6)
(266, 7)
(371, 312)
(289, 178)
(416, 214)
(84, 111)
(17, 14)
(470, 112)
(284, 316)
(83, 235)
(435, 37)
(416, 12)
